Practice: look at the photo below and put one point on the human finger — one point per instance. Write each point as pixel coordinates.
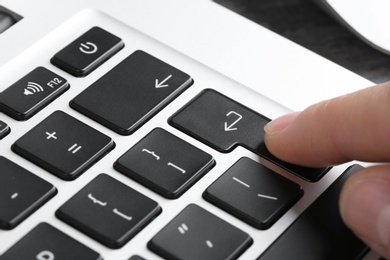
(351, 127)
(365, 207)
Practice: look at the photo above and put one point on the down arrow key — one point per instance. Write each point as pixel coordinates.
(132, 92)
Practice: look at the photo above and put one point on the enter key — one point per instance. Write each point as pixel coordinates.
(224, 124)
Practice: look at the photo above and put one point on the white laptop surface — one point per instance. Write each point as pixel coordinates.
(203, 51)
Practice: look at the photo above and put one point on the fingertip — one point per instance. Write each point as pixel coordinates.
(279, 124)
(365, 207)
(275, 133)
(289, 138)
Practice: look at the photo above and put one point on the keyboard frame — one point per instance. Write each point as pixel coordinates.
(40, 54)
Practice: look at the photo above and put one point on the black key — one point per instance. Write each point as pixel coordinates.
(31, 93)
(223, 124)
(18, 199)
(253, 193)
(45, 242)
(63, 145)
(131, 93)
(109, 211)
(8, 19)
(319, 233)
(197, 234)
(4, 129)
(136, 257)
(165, 163)
(87, 52)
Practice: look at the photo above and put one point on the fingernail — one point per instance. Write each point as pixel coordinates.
(366, 209)
(280, 123)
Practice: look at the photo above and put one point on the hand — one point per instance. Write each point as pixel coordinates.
(351, 127)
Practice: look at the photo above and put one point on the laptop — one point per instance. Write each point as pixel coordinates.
(133, 130)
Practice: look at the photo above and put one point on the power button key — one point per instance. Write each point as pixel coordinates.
(87, 52)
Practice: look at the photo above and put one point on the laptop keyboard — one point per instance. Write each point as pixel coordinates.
(116, 147)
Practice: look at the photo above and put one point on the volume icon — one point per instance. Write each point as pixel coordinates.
(32, 88)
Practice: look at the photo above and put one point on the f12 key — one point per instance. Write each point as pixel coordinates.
(31, 93)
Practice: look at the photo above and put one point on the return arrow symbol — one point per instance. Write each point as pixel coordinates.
(230, 127)
(161, 84)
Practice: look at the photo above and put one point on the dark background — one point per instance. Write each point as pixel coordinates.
(303, 22)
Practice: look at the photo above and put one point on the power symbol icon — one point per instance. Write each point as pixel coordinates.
(88, 48)
(45, 255)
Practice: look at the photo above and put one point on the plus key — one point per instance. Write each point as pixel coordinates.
(63, 145)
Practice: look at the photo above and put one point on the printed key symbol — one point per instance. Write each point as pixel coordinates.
(74, 148)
